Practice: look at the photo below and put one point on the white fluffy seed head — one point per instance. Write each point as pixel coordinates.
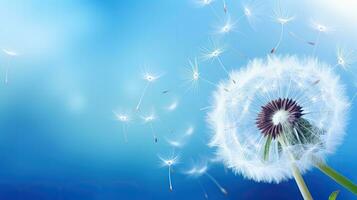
(238, 141)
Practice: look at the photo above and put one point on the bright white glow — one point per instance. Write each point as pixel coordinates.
(339, 13)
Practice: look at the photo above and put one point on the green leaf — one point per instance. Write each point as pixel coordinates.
(333, 195)
(267, 147)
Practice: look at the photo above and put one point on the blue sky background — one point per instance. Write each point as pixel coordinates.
(78, 61)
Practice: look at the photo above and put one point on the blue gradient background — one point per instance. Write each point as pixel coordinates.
(80, 60)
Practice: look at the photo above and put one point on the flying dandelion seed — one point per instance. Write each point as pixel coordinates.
(124, 119)
(149, 78)
(214, 54)
(193, 76)
(149, 119)
(320, 28)
(169, 163)
(227, 27)
(200, 169)
(345, 58)
(281, 17)
(10, 54)
(251, 12)
(278, 121)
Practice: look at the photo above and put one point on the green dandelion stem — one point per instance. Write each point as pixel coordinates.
(301, 183)
(304, 190)
(340, 179)
(267, 147)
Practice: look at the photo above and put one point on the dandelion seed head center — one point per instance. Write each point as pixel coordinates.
(195, 75)
(340, 61)
(123, 118)
(216, 53)
(280, 117)
(149, 78)
(277, 114)
(226, 28)
(321, 28)
(282, 20)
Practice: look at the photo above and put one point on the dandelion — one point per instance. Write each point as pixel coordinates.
(281, 17)
(320, 28)
(149, 78)
(10, 54)
(200, 169)
(124, 119)
(169, 163)
(283, 116)
(149, 119)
